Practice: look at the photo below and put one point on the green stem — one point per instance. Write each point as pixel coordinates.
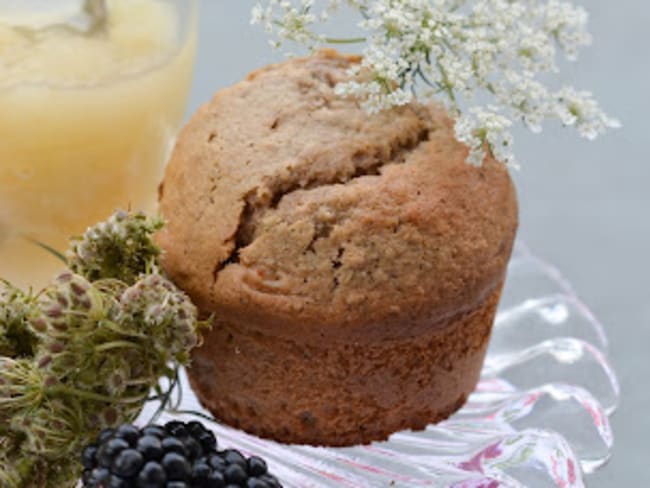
(48, 249)
(446, 85)
(20, 401)
(166, 396)
(179, 385)
(86, 395)
(174, 411)
(116, 345)
(112, 326)
(351, 40)
(141, 382)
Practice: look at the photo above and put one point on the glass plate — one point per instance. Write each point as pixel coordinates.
(538, 418)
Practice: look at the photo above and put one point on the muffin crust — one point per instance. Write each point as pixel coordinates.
(306, 225)
(340, 394)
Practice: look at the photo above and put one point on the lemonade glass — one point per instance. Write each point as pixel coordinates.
(87, 119)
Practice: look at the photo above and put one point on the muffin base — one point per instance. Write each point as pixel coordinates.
(335, 394)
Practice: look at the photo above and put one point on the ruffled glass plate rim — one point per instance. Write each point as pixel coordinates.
(538, 418)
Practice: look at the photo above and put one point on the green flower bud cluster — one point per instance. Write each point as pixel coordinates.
(121, 248)
(155, 306)
(11, 467)
(16, 339)
(20, 389)
(85, 353)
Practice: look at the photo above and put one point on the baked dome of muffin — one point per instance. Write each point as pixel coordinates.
(353, 262)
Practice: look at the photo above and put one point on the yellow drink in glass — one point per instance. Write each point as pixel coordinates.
(86, 123)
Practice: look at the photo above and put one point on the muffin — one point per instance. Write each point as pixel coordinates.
(352, 263)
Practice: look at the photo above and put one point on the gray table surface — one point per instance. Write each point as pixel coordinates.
(584, 205)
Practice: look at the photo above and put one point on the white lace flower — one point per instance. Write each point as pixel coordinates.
(480, 129)
(579, 109)
(458, 52)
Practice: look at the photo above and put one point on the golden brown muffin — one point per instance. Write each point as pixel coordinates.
(353, 262)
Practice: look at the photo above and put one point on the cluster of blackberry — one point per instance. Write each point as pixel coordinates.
(178, 455)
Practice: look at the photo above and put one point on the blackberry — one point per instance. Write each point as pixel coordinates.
(200, 472)
(128, 463)
(256, 483)
(88, 456)
(217, 463)
(232, 456)
(193, 447)
(256, 466)
(235, 474)
(216, 480)
(173, 444)
(110, 450)
(105, 435)
(152, 475)
(155, 431)
(176, 429)
(150, 447)
(129, 433)
(176, 466)
(176, 455)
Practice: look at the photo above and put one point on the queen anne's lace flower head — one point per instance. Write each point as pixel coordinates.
(85, 352)
(459, 52)
(16, 338)
(120, 248)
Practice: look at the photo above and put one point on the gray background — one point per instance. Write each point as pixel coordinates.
(584, 206)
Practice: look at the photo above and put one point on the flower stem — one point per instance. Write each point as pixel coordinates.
(351, 40)
(49, 249)
(201, 415)
(112, 326)
(116, 345)
(446, 84)
(165, 397)
(87, 395)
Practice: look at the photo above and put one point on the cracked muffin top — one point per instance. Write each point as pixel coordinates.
(292, 211)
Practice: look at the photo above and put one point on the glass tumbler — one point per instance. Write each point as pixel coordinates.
(91, 96)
